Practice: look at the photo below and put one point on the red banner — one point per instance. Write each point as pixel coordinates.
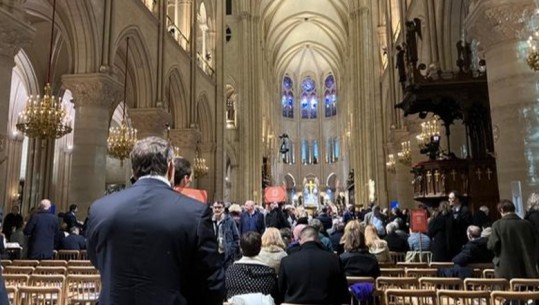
(275, 194)
(200, 195)
(418, 221)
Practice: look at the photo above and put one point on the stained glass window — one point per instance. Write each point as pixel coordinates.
(330, 96)
(304, 152)
(309, 101)
(315, 152)
(287, 99)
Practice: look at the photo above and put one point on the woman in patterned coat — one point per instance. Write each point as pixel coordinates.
(250, 275)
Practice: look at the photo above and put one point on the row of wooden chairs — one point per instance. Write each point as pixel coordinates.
(454, 297)
(50, 270)
(56, 290)
(35, 263)
(429, 272)
(469, 284)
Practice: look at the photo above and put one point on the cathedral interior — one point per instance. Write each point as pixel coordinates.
(336, 101)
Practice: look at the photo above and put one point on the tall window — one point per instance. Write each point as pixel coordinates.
(287, 99)
(309, 101)
(336, 149)
(304, 152)
(330, 96)
(315, 152)
(229, 7)
(289, 158)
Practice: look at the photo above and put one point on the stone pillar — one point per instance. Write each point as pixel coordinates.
(15, 33)
(149, 121)
(95, 97)
(186, 141)
(185, 20)
(13, 173)
(207, 151)
(403, 186)
(500, 28)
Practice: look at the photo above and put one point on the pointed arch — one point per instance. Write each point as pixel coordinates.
(177, 103)
(289, 181)
(205, 119)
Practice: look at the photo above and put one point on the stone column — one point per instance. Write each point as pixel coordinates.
(15, 33)
(207, 151)
(403, 186)
(95, 97)
(500, 28)
(149, 121)
(186, 141)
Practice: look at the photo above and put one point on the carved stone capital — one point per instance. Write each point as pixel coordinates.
(149, 121)
(186, 138)
(15, 31)
(94, 89)
(493, 21)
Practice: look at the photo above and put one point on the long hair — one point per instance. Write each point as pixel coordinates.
(272, 237)
(353, 238)
(443, 209)
(533, 202)
(371, 235)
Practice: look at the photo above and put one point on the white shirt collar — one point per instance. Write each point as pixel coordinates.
(156, 177)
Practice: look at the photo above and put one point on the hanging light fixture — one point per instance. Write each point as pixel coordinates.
(44, 117)
(200, 168)
(122, 139)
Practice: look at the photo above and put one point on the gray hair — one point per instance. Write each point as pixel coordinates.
(151, 156)
(474, 231)
(317, 224)
(533, 202)
(391, 227)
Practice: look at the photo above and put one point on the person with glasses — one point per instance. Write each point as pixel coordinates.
(227, 234)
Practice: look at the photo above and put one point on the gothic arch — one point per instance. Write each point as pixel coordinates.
(176, 99)
(140, 72)
(331, 181)
(289, 181)
(205, 119)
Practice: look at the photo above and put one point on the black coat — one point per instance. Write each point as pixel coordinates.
(462, 220)
(533, 218)
(474, 252)
(361, 263)
(335, 238)
(312, 276)
(43, 232)
(154, 246)
(74, 242)
(442, 240)
(481, 219)
(276, 219)
(71, 220)
(396, 243)
(326, 220)
(11, 221)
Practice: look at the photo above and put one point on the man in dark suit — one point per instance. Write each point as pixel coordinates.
(513, 241)
(70, 218)
(43, 231)
(463, 219)
(74, 241)
(152, 245)
(11, 221)
(251, 220)
(312, 275)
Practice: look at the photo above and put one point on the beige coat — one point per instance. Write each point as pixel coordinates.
(272, 256)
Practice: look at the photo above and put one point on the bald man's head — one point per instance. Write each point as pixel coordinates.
(45, 204)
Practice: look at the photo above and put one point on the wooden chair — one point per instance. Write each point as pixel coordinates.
(479, 268)
(395, 272)
(25, 262)
(441, 265)
(409, 296)
(514, 297)
(412, 265)
(6, 262)
(81, 270)
(53, 263)
(16, 280)
(434, 283)
(82, 289)
(50, 270)
(471, 284)
(384, 282)
(488, 274)
(39, 296)
(397, 256)
(421, 272)
(83, 255)
(46, 280)
(18, 270)
(78, 262)
(524, 284)
(11, 294)
(68, 254)
(456, 297)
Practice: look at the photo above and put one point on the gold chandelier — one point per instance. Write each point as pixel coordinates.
(44, 117)
(405, 154)
(200, 169)
(428, 130)
(122, 139)
(391, 164)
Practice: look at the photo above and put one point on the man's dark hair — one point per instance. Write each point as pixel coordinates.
(72, 207)
(182, 168)
(506, 206)
(150, 156)
(250, 244)
(309, 233)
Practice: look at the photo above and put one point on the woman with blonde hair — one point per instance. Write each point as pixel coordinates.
(356, 259)
(377, 246)
(273, 248)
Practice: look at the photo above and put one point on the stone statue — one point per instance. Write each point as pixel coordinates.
(230, 111)
(372, 190)
(401, 66)
(413, 30)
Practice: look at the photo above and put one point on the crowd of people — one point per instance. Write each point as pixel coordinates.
(176, 250)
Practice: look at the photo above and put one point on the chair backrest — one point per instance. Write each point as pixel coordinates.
(416, 256)
(78, 262)
(459, 297)
(16, 280)
(514, 297)
(524, 284)
(6, 262)
(412, 265)
(384, 282)
(81, 270)
(479, 268)
(50, 270)
(410, 296)
(489, 274)
(68, 254)
(11, 294)
(421, 272)
(397, 256)
(53, 263)
(46, 280)
(25, 262)
(82, 289)
(439, 265)
(395, 272)
(434, 283)
(39, 296)
(486, 284)
(18, 269)
(83, 254)
(359, 279)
